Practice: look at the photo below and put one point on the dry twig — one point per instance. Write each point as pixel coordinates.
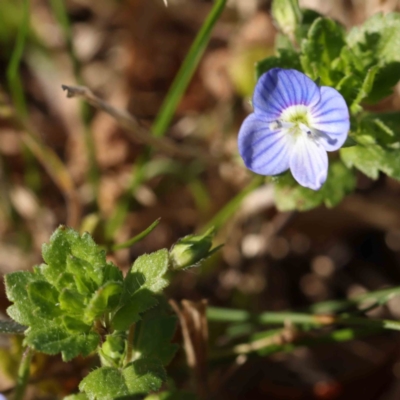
(136, 131)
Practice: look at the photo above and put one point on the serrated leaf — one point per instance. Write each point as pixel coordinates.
(66, 242)
(371, 159)
(80, 270)
(289, 195)
(104, 299)
(72, 302)
(129, 313)
(45, 298)
(321, 49)
(16, 289)
(160, 328)
(73, 325)
(86, 249)
(108, 383)
(56, 339)
(376, 42)
(55, 254)
(148, 272)
(378, 138)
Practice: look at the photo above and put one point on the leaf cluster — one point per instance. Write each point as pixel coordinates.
(77, 302)
(363, 65)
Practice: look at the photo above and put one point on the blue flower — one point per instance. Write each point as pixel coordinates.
(295, 122)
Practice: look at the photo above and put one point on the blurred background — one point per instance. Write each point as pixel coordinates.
(64, 162)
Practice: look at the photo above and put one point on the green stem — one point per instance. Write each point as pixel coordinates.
(378, 297)
(23, 374)
(13, 73)
(315, 320)
(186, 71)
(167, 111)
(137, 238)
(230, 208)
(268, 346)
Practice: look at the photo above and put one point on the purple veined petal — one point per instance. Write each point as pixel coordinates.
(331, 117)
(264, 151)
(309, 163)
(280, 88)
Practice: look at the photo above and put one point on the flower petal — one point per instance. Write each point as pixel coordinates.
(280, 88)
(264, 151)
(309, 162)
(331, 116)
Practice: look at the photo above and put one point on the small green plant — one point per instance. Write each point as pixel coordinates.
(78, 303)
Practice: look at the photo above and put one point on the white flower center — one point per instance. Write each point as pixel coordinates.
(295, 120)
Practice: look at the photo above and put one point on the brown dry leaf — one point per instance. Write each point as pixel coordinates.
(193, 320)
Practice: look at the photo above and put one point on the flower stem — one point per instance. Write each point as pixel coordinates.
(23, 374)
(167, 111)
(186, 71)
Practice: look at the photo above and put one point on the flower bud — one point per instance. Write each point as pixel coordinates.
(191, 249)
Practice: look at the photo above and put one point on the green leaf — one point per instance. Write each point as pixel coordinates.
(22, 309)
(129, 313)
(371, 159)
(112, 273)
(376, 42)
(79, 269)
(104, 299)
(365, 89)
(74, 326)
(285, 59)
(160, 327)
(88, 260)
(108, 383)
(145, 279)
(321, 49)
(52, 339)
(287, 14)
(72, 302)
(289, 195)
(45, 297)
(378, 138)
(148, 272)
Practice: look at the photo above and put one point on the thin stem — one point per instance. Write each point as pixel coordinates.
(315, 320)
(378, 297)
(23, 374)
(129, 350)
(13, 73)
(137, 238)
(230, 208)
(167, 110)
(186, 71)
(273, 343)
